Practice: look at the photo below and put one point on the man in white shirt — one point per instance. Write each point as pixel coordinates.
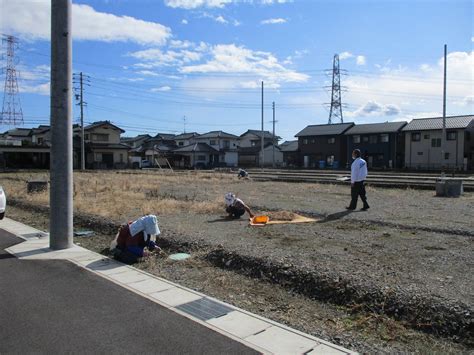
(358, 176)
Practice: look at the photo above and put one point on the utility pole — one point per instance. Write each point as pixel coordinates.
(61, 215)
(273, 139)
(12, 113)
(83, 80)
(443, 138)
(263, 136)
(184, 124)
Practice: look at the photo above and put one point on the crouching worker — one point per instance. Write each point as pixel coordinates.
(242, 174)
(132, 239)
(235, 207)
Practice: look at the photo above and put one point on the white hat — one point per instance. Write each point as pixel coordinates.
(229, 198)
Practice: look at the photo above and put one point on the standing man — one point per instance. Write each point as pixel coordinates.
(358, 176)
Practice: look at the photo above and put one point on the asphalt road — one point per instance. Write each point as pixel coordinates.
(57, 307)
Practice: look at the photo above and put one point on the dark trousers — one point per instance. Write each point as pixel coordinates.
(358, 189)
(235, 212)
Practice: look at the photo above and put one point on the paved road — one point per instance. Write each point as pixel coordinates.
(57, 307)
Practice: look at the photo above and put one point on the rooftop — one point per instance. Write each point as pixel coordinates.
(102, 123)
(217, 134)
(385, 127)
(196, 148)
(325, 129)
(452, 122)
(289, 146)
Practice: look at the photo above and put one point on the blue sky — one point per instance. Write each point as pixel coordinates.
(151, 63)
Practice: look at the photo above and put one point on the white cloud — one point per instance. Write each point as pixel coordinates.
(232, 59)
(40, 89)
(160, 89)
(194, 4)
(148, 73)
(33, 22)
(273, 21)
(373, 108)
(184, 21)
(220, 19)
(360, 60)
(155, 57)
(345, 55)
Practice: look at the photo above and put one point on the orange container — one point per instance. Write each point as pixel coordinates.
(260, 219)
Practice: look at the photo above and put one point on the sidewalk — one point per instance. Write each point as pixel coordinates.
(79, 301)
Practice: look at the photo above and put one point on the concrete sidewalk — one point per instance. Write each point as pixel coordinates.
(82, 302)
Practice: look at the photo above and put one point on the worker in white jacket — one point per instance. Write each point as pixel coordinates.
(358, 176)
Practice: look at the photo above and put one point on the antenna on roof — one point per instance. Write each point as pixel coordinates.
(184, 124)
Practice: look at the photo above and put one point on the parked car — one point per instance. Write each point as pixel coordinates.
(3, 203)
(146, 164)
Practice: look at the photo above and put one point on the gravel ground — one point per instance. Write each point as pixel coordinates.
(361, 331)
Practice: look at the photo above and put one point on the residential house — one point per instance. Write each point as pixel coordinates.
(135, 142)
(185, 139)
(103, 147)
(225, 144)
(291, 154)
(196, 155)
(381, 144)
(324, 145)
(423, 143)
(250, 152)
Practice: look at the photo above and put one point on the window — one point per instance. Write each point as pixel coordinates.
(254, 143)
(436, 142)
(356, 139)
(446, 156)
(313, 141)
(451, 136)
(99, 137)
(98, 157)
(373, 139)
(305, 141)
(426, 136)
(331, 140)
(201, 157)
(365, 139)
(86, 137)
(420, 153)
(226, 144)
(181, 143)
(40, 140)
(379, 157)
(468, 136)
(384, 138)
(121, 157)
(213, 142)
(415, 137)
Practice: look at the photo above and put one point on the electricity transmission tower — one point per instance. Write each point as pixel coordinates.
(335, 112)
(11, 109)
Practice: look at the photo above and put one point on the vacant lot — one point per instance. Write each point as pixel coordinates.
(410, 256)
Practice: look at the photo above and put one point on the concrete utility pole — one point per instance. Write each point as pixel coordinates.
(273, 139)
(61, 225)
(263, 137)
(83, 150)
(443, 138)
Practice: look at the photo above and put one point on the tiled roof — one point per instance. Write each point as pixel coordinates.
(289, 146)
(385, 127)
(196, 148)
(102, 123)
(325, 129)
(452, 122)
(258, 133)
(217, 134)
(186, 135)
(18, 132)
(165, 136)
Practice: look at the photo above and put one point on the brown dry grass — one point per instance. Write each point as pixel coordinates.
(123, 195)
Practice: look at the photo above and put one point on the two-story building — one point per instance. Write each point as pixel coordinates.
(185, 139)
(225, 144)
(250, 152)
(324, 145)
(291, 154)
(423, 143)
(381, 144)
(103, 147)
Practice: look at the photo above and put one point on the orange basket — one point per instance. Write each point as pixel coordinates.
(260, 219)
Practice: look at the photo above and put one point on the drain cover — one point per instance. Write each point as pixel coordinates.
(179, 256)
(205, 309)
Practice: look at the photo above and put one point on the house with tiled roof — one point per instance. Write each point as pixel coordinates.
(226, 145)
(423, 143)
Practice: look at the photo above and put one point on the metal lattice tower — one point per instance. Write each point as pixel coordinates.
(11, 109)
(335, 113)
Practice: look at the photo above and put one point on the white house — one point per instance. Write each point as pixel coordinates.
(185, 139)
(225, 144)
(423, 140)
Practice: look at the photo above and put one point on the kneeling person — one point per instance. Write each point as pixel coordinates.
(235, 207)
(134, 237)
